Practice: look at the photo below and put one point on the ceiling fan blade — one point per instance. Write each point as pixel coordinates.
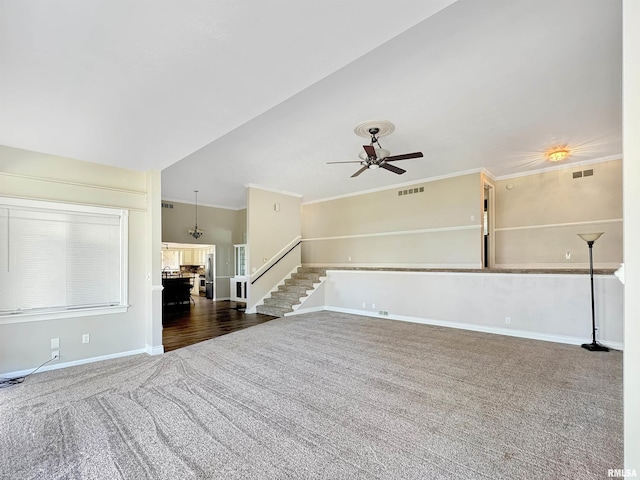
(349, 161)
(406, 156)
(371, 152)
(392, 168)
(359, 171)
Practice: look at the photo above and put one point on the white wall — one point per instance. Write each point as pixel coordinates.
(26, 174)
(555, 307)
(631, 202)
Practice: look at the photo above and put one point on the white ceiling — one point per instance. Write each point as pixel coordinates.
(221, 94)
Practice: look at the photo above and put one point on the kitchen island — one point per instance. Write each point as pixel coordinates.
(177, 290)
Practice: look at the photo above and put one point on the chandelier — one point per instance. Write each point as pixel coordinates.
(194, 232)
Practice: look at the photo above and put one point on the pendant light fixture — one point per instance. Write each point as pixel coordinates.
(195, 233)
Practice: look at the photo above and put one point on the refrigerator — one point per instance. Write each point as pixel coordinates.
(209, 275)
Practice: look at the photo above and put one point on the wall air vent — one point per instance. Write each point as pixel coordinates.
(410, 191)
(167, 205)
(583, 173)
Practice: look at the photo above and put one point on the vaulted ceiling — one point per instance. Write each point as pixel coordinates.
(221, 94)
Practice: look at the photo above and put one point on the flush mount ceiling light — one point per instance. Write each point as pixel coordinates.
(194, 232)
(557, 154)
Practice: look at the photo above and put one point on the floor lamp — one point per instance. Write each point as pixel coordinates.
(594, 346)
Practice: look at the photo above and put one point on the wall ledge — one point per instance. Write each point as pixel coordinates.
(528, 271)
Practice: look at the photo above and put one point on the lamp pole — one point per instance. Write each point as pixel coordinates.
(594, 346)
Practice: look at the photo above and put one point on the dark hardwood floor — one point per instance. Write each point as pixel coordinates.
(188, 324)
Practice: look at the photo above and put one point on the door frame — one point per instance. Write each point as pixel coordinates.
(489, 250)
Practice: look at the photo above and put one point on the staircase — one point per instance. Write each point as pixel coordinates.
(293, 292)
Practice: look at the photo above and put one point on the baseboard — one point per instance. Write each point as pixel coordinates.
(480, 328)
(300, 311)
(73, 363)
(558, 266)
(157, 350)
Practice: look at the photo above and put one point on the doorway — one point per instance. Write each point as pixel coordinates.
(193, 262)
(488, 245)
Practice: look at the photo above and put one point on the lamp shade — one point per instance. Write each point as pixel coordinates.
(380, 154)
(590, 237)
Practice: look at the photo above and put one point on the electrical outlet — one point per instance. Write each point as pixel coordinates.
(55, 343)
(85, 338)
(507, 320)
(373, 305)
(567, 255)
(55, 354)
(364, 305)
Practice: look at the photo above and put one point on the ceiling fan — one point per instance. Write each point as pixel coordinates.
(378, 157)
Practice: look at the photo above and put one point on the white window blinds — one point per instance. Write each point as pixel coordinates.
(56, 257)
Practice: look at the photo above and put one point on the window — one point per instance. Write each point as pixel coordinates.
(59, 260)
(170, 260)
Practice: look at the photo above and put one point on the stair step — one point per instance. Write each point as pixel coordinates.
(273, 311)
(280, 302)
(319, 270)
(303, 282)
(294, 289)
(314, 277)
(293, 297)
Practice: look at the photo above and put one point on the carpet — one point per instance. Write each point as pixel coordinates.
(323, 396)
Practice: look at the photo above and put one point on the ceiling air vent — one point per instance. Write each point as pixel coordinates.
(577, 174)
(410, 191)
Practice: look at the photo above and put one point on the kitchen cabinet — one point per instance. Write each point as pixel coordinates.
(187, 256)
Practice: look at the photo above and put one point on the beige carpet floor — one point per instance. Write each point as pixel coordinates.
(323, 395)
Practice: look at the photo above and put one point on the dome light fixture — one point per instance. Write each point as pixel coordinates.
(557, 154)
